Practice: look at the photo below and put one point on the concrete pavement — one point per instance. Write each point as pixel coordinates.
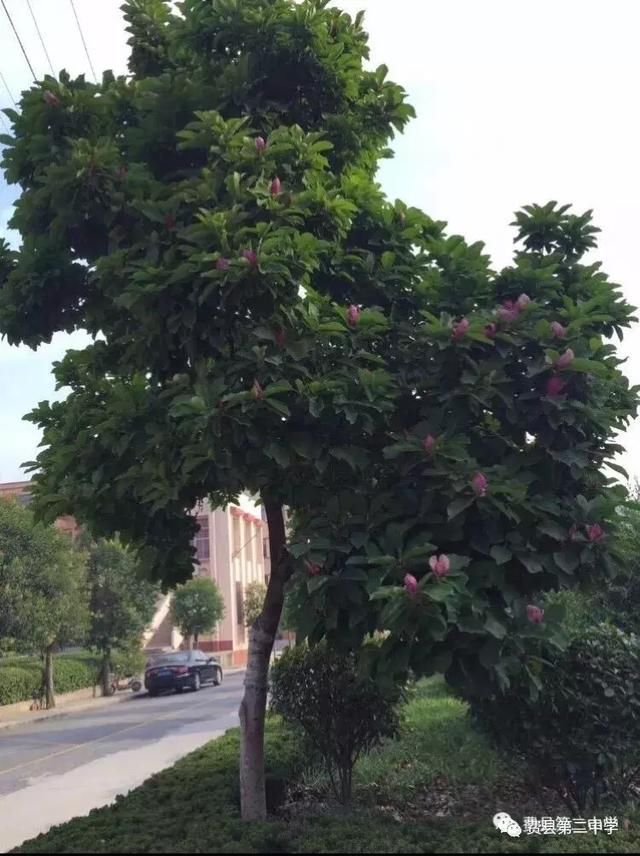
(63, 767)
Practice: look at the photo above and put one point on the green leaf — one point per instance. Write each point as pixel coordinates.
(459, 505)
(500, 554)
(495, 627)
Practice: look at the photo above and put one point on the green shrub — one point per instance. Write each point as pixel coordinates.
(128, 663)
(18, 684)
(581, 734)
(342, 715)
(21, 677)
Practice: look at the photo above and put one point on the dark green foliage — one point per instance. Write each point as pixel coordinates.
(21, 677)
(342, 714)
(197, 607)
(581, 733)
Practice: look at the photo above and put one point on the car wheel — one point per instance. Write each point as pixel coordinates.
(195, 682)
(179, 690)
(217, 678)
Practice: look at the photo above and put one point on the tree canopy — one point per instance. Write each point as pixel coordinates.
(197, 607)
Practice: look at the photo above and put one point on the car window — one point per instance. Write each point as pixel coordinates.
(171, 659)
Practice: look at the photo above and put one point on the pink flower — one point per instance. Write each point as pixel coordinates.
(276, 186)
(280, 337)
(169, 221)
(440, 565)
(490, 330)
(555, 386)
(222, 263)
(51, 99)
(573, 532)
(565, 360)
(251, 256)
(410, 584)
(261, 144)
(479, 483)
(353, 314)
(595, 532)
(429, 443)
(523, 301)
(535, 614)
(558, 330)
(509, 311)
(257, 391)
(460, 328)
(313, 569)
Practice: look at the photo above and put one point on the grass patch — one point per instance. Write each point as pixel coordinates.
(193, 807)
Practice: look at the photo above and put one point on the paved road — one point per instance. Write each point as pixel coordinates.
(56, 769)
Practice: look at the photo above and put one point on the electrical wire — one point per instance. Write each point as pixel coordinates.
(6, 86)
(86, 49)
(44, 47)
(13, 27)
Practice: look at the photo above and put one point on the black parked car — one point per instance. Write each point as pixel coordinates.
(182, 670)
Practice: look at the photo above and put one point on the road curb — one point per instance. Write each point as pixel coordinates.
(58, 713)
(92, 704)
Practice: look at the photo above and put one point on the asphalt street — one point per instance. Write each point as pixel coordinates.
(56, 769)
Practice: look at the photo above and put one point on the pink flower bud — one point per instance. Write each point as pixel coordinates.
(535, 614)
(479, 483)
(523, 301)
(429, 443)
(509, 311)
(410, 584)
(440, 565)
(169, 221)
(280, 337)
(257, 391)
(558, 330)
(565, 360)
(261, 144)
(490, 330)
(460, 328)
(276, 186)
(51, 99)
(555, 386)
(251, 256)
(222, 263)
(313, 569)
(595, 532)
(353, 314)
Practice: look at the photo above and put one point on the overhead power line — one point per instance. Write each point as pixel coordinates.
(6, 86)
(13, 27)
(86, 49)
(44, 47)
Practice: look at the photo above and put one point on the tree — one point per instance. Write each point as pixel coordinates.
(253, 602)
(196, 608)
(496, 488)
(43, 583)
(178, 215)
(270, 322)
(121, 603)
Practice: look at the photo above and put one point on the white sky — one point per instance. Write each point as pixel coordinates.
(517, 103)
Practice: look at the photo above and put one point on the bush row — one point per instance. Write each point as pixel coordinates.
(21, 677)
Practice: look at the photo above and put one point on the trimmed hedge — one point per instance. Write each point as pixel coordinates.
(193, 807)
(21, 678)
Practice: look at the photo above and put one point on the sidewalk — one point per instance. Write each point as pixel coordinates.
(69, 703)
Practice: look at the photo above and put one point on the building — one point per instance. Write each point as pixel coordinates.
(232, 548)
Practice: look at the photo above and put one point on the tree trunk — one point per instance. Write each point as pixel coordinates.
(195, 640)
(254, 703)
(49, 697)
(106, 673)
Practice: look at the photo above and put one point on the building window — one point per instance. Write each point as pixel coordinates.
(265, 548)
(202, 539)
(237, 537)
